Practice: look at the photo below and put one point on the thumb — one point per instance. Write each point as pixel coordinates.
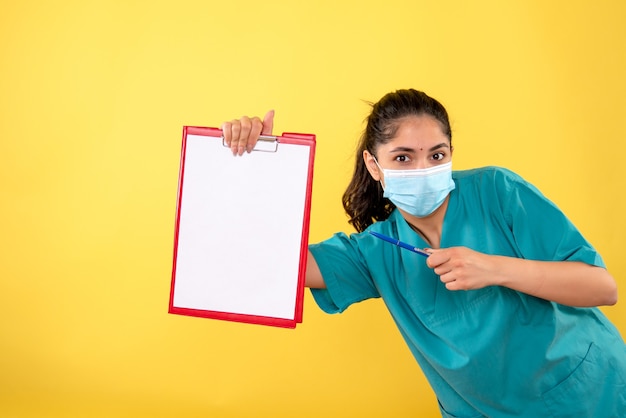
(430, 261)
(268, 123)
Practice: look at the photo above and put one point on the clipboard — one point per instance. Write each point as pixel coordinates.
(242, 227)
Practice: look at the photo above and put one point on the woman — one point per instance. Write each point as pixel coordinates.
(501, 315)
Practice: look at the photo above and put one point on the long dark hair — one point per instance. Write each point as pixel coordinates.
(363, 200)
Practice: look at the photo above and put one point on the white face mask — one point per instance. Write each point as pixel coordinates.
(418, 192)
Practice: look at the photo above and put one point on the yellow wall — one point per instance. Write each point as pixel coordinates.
(93, 97)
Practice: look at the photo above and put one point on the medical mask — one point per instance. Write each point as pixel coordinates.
(418, 192)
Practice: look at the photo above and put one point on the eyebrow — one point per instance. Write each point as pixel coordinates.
(407, 149)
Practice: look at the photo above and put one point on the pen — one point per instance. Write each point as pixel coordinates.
(400, 244)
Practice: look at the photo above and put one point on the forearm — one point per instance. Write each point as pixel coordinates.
(566, 282)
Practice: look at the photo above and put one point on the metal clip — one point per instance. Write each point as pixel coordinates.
(266, 143)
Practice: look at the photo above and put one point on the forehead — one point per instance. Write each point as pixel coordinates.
(419, 127)
(416, 132)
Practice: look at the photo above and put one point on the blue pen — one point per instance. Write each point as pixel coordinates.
(400, 244)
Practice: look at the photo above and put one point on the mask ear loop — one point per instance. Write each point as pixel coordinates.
(380, 182)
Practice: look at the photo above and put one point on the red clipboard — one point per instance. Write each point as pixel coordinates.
(242, 227)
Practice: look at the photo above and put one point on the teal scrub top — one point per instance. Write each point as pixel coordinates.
(494, 351)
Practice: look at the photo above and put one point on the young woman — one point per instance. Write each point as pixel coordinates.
(501, 315)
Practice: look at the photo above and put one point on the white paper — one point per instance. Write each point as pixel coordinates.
(240, 229)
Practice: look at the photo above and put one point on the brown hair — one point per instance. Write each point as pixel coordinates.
(363, 199)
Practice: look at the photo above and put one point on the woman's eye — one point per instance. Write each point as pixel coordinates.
(439, 156)
(402, 158)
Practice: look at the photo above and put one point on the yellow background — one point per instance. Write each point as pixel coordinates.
(93, 97)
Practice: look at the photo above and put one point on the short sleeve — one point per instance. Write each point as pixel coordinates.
(345, 273)
(541, 230)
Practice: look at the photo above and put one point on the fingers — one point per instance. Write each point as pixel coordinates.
(437, 257)
(227, 128)
(241, 135)
(241, 143)
(460, 268)
(454, 285)
(442, 265)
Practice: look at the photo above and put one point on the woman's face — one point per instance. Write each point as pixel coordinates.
(419, 143)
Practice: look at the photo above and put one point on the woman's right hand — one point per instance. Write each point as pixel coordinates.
(241, 135)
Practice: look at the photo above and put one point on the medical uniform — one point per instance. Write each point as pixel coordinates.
(494, 351)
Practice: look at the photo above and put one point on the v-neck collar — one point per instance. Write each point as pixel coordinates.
(407, 234)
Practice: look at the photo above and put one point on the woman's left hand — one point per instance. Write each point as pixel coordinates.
(461, 268)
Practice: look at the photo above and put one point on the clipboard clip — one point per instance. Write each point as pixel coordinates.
(266, 143)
